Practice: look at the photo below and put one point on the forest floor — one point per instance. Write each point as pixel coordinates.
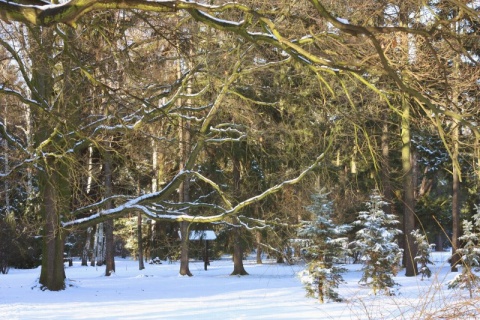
(270, 291)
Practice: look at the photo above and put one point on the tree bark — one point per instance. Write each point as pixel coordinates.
(86, 248)
(258, 238)
(99, 246)
(408, 194)
(455, 259)
(184, 265)
(238, 268)
(52, 275)
(53, 177)
(385, 169)
(184, 197)
(141, 265)
(109, 224)
(109, 247)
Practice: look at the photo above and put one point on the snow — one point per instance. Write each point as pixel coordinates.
(271, 291)
(202, 235)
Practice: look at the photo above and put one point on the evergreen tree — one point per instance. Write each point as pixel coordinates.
(325, 244)
(469, 256)
(375, 241)
(423, 253)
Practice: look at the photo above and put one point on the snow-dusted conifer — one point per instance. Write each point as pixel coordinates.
(326, 243)
(470, 256)
(423, 253)
(376, 243)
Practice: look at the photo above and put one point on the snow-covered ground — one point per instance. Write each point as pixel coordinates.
(271, 291)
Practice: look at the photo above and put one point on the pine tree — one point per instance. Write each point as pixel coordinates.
(423, 253)
(326, 243)
(469, 256)
(375, 241)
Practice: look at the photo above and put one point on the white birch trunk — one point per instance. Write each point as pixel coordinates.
(99, 245)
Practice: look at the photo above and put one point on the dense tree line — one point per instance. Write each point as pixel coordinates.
(181, 115)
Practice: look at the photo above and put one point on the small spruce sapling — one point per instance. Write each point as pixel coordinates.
(326, 242)
(423, 253)
(470, 256)
(375, 241)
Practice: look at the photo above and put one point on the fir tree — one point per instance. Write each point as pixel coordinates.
(470, 256)
(423, 253)
(326, 242)
(375, 241)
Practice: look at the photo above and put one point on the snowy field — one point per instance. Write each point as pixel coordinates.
(271, 291)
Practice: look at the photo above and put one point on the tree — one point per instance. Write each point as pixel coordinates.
(334, 44)
(376, 243)
(326, 243)
(469, 257)
(423, 254)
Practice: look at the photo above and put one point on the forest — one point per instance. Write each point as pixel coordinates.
(127, 126)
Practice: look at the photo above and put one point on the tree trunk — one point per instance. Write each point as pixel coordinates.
(184, 146)
(6, 166)
(408, 194)
(141, 266)
(439, 242)
(385, 169)
(52, 275)
(238, 268)
(99, 245)
(455, 198)
(184, 197)
(53, 183)
(109, 224)
(258, 238)
(184, 267)
(93, 247)
(109, 247)
(86, 249)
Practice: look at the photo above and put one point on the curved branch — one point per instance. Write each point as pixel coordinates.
(40, 13)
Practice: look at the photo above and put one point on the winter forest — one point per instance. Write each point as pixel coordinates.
(309, 133)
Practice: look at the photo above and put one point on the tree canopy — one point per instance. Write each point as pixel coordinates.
(196, 112)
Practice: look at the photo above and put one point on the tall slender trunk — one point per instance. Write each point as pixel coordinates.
(93, 246)
(99, 245)
(258, 239)
(109, 224)
(456, 171)
(86, 248)
(455, 197)
(238, 268)
(184, 138)
(141, 266)
(151, 224)
(385, 169)
(408, 193)
(409, 250)
(184, 197)
(6, 166)
(109, 247)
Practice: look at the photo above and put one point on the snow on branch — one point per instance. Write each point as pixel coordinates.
(144, 203)
(42, 13)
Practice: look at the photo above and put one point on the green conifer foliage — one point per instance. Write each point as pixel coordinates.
(325, 244)
(423, 253)
(375, 241)
(469, 256)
